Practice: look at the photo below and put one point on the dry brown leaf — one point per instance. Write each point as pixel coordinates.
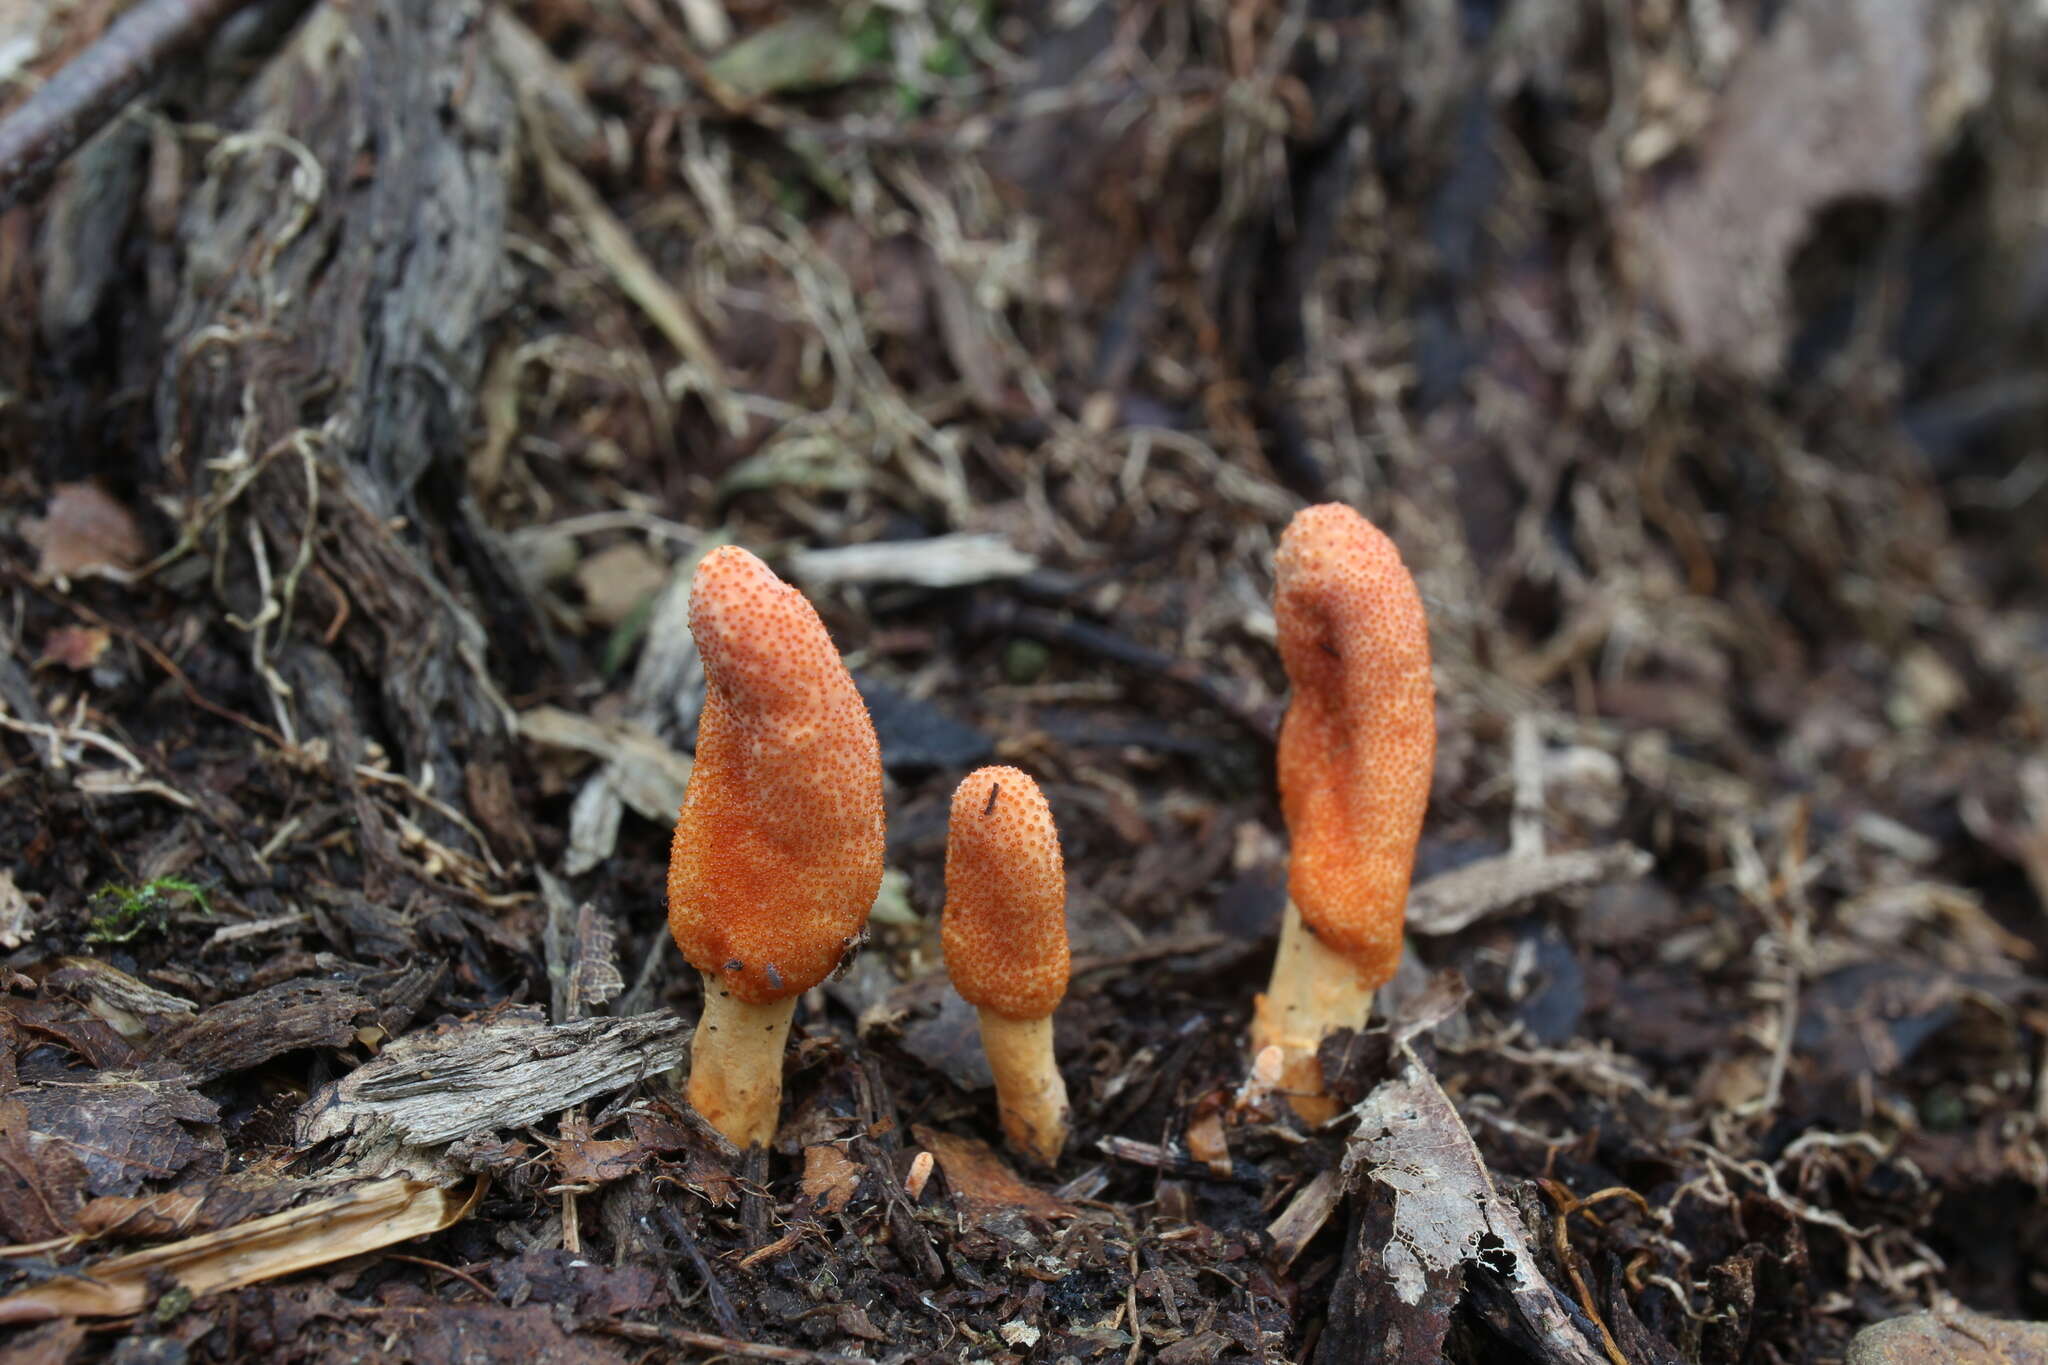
(1455, 900)
(85, 532)
(618, 580)
(364, 1219)
(1207, 1142)
(645, 772)
(595, 1161)
(982, 1182)
(829, 1177)
(77, 648)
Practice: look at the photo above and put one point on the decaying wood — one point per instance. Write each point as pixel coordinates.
(93, 86)
(504, 1072)
(342, 269)
(1304, 1216)
(1463, 896)
(1446, 1214)
(1368, 1319)
(243, 1032)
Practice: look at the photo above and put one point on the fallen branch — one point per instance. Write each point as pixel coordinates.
(95, 85)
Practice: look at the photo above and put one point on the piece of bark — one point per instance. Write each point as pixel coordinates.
(238, 1034)
(343, 261)
(1368, 1319)
(1447, 1216)
(1465, 895)
(502, 1072)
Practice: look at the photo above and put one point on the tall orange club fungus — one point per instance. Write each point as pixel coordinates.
(1005, 936)
(1357, 749)
(778, 849)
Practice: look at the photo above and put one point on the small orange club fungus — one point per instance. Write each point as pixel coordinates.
(778, 849)
(1357, 749)
(1005, 935)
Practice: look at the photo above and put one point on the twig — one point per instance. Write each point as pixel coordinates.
(93, 86)
(1191, 946)
(1525, 825)
(997, 615)
(721, 1302)
(705, 1341)
(463, 1275)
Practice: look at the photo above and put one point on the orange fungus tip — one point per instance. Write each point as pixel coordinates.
(778, 849)
(1005, 926)
(1358, 745)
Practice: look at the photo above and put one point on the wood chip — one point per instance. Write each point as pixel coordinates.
(238, 1034)
(949, 561)
(1305, 1216)
(1463, 896)
(502, 1072)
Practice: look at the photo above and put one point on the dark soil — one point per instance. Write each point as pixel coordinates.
(369, 390)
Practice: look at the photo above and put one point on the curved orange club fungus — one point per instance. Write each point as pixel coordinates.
(778, 849)
(1005, 936)
(1357, 750)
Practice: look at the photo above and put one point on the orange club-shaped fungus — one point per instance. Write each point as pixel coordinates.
(1005, 938)
(778, 849)
(1357, 750)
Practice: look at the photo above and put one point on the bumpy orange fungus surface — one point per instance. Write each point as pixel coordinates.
(778, 850)
(1359, 742)
(1005, 927)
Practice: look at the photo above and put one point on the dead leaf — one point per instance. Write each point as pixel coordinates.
(852, 1319)
(645, 772)
(584, 1160)
(125, 1129)
(618, 580)
(1446, 1212)
(806, 51)
(85, 532)
(364, 1219)
(77, 648)
(982, 1183)
(1207, 1142)
(1455, 900)
(187, 1210)
(829, 1177)
(46, 1181)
